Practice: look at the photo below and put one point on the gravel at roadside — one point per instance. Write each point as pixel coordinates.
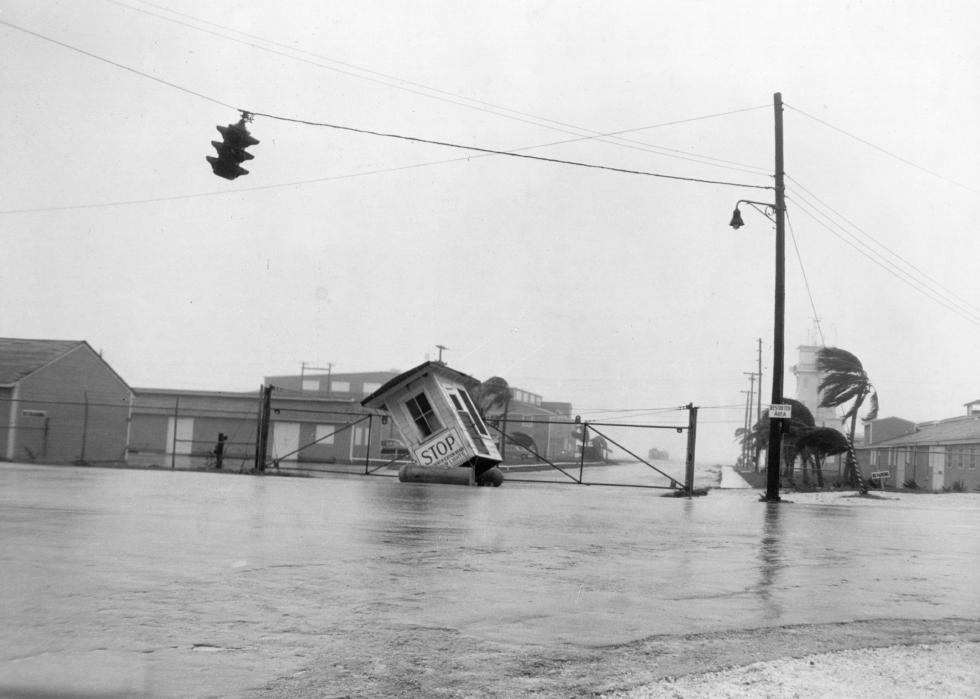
(924, 670)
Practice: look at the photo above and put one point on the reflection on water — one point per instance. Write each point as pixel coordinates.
(626, 473)
(771, 559)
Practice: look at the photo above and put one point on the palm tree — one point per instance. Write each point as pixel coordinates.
(745, 439)
(846, 381)
(801, 419)
(493, 394)
(818, 443)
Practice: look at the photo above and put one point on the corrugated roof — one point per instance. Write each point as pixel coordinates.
(21, 358)
(957, 429)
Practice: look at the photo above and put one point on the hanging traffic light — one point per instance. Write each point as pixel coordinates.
(231, 150)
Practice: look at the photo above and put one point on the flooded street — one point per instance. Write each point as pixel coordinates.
(181, 584)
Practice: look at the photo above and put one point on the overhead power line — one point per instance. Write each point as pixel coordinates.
(435, 93)
(488, 151)
(806, 282)
(117, 65)
(512, 154)
(825, 221)
(886, 152)
(930, 281)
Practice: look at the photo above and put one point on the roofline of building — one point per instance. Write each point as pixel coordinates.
(77, 344)
(309, 397)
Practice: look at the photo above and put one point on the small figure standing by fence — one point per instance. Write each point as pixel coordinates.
(219, 449)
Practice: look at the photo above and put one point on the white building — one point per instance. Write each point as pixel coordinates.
(808, 379)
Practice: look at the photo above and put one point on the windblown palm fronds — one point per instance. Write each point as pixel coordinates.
(493, 393)
(846, 381)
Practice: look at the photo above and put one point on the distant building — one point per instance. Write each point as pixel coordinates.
(938, 455)
(61, 402)
(353, 387)
(535, 427)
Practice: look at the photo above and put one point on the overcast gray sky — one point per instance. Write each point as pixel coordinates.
(622, 293)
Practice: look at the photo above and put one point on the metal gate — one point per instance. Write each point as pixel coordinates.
(584, 464)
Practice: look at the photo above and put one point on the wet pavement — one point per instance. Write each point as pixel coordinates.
(121, 582)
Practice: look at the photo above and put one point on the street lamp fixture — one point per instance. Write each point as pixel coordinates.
(737, 221)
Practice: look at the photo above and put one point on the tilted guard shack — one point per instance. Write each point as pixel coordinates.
(432, 409)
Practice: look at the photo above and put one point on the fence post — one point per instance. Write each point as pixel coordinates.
(367, 453)
(173, 443)
(692, 433)
(581, 453)
(84, 426)
(262, 441)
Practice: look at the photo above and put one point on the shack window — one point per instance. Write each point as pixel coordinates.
(421, 411)
(472, 410)
(468, 423)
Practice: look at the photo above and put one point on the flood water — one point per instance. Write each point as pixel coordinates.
(157, 583)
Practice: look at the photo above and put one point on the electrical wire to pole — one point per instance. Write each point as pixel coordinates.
(430, 92)
(512, 154)
(951, 303)
(878, 250)
(469, 148)
(899, 158)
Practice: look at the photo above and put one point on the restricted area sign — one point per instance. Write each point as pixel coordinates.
(780, 410)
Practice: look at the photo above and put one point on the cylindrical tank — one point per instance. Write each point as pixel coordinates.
(413, 473)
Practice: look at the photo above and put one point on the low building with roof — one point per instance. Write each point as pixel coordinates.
(62, 403)
(174, 428)
(939, 455)
(535, 428)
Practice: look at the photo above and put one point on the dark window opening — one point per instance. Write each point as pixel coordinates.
(423, 415)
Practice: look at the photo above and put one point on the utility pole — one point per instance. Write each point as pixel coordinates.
(745, 434)
(773, 453)
(751, 375)
(441, 348)
(748, 413)
(758, 409)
